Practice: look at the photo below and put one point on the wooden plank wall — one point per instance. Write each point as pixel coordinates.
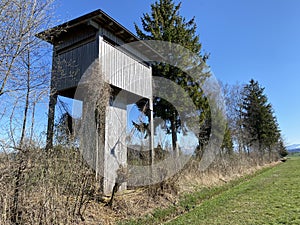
(72, 57)
(77, 51)
(123, 71)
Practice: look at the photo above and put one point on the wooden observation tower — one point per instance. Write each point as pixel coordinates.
(96, 37)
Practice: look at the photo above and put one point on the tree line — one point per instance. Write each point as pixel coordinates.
(26, 170)
(252, 125)
(24, 80)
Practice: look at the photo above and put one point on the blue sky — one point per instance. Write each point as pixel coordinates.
(257, 39)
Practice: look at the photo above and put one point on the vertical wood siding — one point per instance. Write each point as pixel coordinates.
(70, 65)
(123, 71)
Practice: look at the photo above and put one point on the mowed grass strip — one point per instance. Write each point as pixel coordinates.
(189, 201)
(272, 197)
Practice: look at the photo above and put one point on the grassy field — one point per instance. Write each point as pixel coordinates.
(271, 197)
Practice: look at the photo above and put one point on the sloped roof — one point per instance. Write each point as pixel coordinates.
(96, 19)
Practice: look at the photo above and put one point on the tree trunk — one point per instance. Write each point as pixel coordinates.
(174, 134)
(51, 114)
(26, 101)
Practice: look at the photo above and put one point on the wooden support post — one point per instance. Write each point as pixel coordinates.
(152, 131)
(51, 114)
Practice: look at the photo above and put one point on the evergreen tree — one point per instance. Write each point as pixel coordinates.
(164, 23)
(227, 145)
(282, 151)
(258, 120)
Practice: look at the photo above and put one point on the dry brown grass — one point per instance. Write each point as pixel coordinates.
(220, 171)
(60, 189)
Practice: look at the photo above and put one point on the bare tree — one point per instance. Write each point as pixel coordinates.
(24, 80)
(233, 101)
(19, 21)
(24, 64)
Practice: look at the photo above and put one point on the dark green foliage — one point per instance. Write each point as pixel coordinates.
(165, 24)
(227, 145)
(259, 123)
(283, 152)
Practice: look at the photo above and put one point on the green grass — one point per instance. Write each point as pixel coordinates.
(191, 201)
(272, 197)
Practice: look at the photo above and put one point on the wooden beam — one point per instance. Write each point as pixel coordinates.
(129, 39)
(93, 24)
(120, 32)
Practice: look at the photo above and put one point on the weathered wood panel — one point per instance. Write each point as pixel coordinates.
(119, 42)
(111, 36)
(115, 144)
(75, 36)
(123, 71)
(70, 65)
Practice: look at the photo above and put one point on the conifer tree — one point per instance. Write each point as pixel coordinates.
(227, 145)
(164, 23)
(258, 120)
(282, 151)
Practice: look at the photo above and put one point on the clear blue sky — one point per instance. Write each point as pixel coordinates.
(257, 39)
